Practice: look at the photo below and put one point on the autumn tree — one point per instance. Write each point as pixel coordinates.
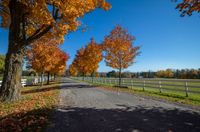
(93, 55)
(87, 59)
(188, 7)
(46, 57)
(28, 21)
(119, 49)
(59, 67)
(73, 70)
(79, 62)
(168, 73)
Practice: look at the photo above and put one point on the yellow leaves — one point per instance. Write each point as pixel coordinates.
(119, 50)
(87, 59)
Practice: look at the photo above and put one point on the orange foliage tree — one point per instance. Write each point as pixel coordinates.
(46, 57)
(119, 50)
(88, 58)
(79, 62)
(93, 55)
(28, 21)
(73, 70)
(187, 7)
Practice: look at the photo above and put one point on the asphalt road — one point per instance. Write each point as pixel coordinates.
(84, 108)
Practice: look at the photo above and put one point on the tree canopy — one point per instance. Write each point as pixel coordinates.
(87, 59)
(119, 51)
(53, 18)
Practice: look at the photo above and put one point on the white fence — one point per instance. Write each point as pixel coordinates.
(32, 81)
(23, 82)
(174, 86)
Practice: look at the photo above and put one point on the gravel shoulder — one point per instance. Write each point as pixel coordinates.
(88, 109)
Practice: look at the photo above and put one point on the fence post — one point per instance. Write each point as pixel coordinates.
(186, 89)
(144, 85)
(160, 86)
(132, 83)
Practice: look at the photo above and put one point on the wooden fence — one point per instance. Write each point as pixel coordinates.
(175, 86)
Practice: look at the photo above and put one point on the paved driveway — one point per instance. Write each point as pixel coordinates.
(84, 108)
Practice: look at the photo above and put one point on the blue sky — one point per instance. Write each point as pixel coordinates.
(167, 40)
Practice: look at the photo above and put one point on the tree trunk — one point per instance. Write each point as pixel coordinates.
(83, 77)
(92, 77)
(54, 77)
(48, 78)
(10, 89)
(42, 78)
(120, 76)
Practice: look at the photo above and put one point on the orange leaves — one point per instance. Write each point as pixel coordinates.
(61, 15)
(187, 7)
(45, 56)
(87, 59)
(119, 50)
(72, 70)
(29, 114)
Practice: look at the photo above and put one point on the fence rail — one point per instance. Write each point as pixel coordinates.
(31, 80)
(175, 86)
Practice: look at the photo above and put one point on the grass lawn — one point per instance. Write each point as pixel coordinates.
(32, 112)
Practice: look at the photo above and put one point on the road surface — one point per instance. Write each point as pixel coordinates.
(84, 108)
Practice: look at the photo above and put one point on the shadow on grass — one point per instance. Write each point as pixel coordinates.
(38, 90)
(35, 120)
(124, 119)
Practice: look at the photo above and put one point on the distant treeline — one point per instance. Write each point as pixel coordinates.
(168, 73)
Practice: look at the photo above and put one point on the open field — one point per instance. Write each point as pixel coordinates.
(172, 89)
(32, 111)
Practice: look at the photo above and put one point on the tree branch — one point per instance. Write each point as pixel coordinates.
(38, 35)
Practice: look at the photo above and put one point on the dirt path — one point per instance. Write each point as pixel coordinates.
(84, 108)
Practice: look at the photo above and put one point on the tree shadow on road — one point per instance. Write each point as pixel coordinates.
(64, 85)
(125, 119)
(122, 119)
(67, 86)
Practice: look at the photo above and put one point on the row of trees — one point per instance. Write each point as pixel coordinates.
(117, 49)
(181, 74)
(28, 21)
(168, 73)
